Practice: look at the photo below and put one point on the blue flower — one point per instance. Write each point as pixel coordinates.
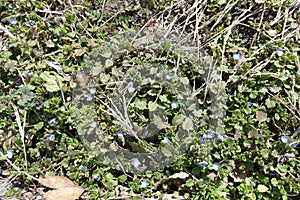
(260, 135)
(205, 182)
(203, 164)
(83, 169)
(216, 166)
(232, 95)
(83, 36)
(221, 137)
(196, 146)
(279, 51)
(89, 97)
(135, 162)
(285, 139)
(29, 74)
(130, 89)
(93, 90)
(174, 105)
(78, 24)
(31, 22)
(13, 21)
(251, 182)
(159, 74)
(210, 135)
(93, 124)
(166, 140)
(201, 139)
(120, 134)
(168, 76)
(51, 137)
(79, 75)
(52, 122)
(294, 144)
(236, 56)
(161, 40)
(144, 184)
(9, 154)
(249, 104)
(96, 176)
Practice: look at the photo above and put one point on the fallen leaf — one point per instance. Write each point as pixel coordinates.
(272, 32)
(5, 172)
(182, 175)
(56, 182)
(91, 43)
(212, 176)
(66, 193)
(224, 183)
(79, 52)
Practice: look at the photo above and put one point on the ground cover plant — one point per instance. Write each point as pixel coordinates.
(47, 48)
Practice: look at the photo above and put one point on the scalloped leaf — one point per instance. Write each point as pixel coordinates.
(262, 188)
(67, 193)
(55, 182)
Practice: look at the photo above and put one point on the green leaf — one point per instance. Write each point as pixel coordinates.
(141, 105)
(274, 182)
(188, 124)
(51, 84)
(189, 183)
(122, 178)
(152, 106)
(178, 119)
(38, 126)
(262, 188)
(261, 115)
(265, 153)
(104, 78)
(109, 63)
(152, 92)
(167, 150)
(277, 116)
(163, 98)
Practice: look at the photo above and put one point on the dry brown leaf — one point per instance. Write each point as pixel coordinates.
(76, 44)
(79, 52)
(181, 175)
(272, 32)
(66, 193)
(5, 172)
(55, 182)
(91, 42)
(212, 176)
